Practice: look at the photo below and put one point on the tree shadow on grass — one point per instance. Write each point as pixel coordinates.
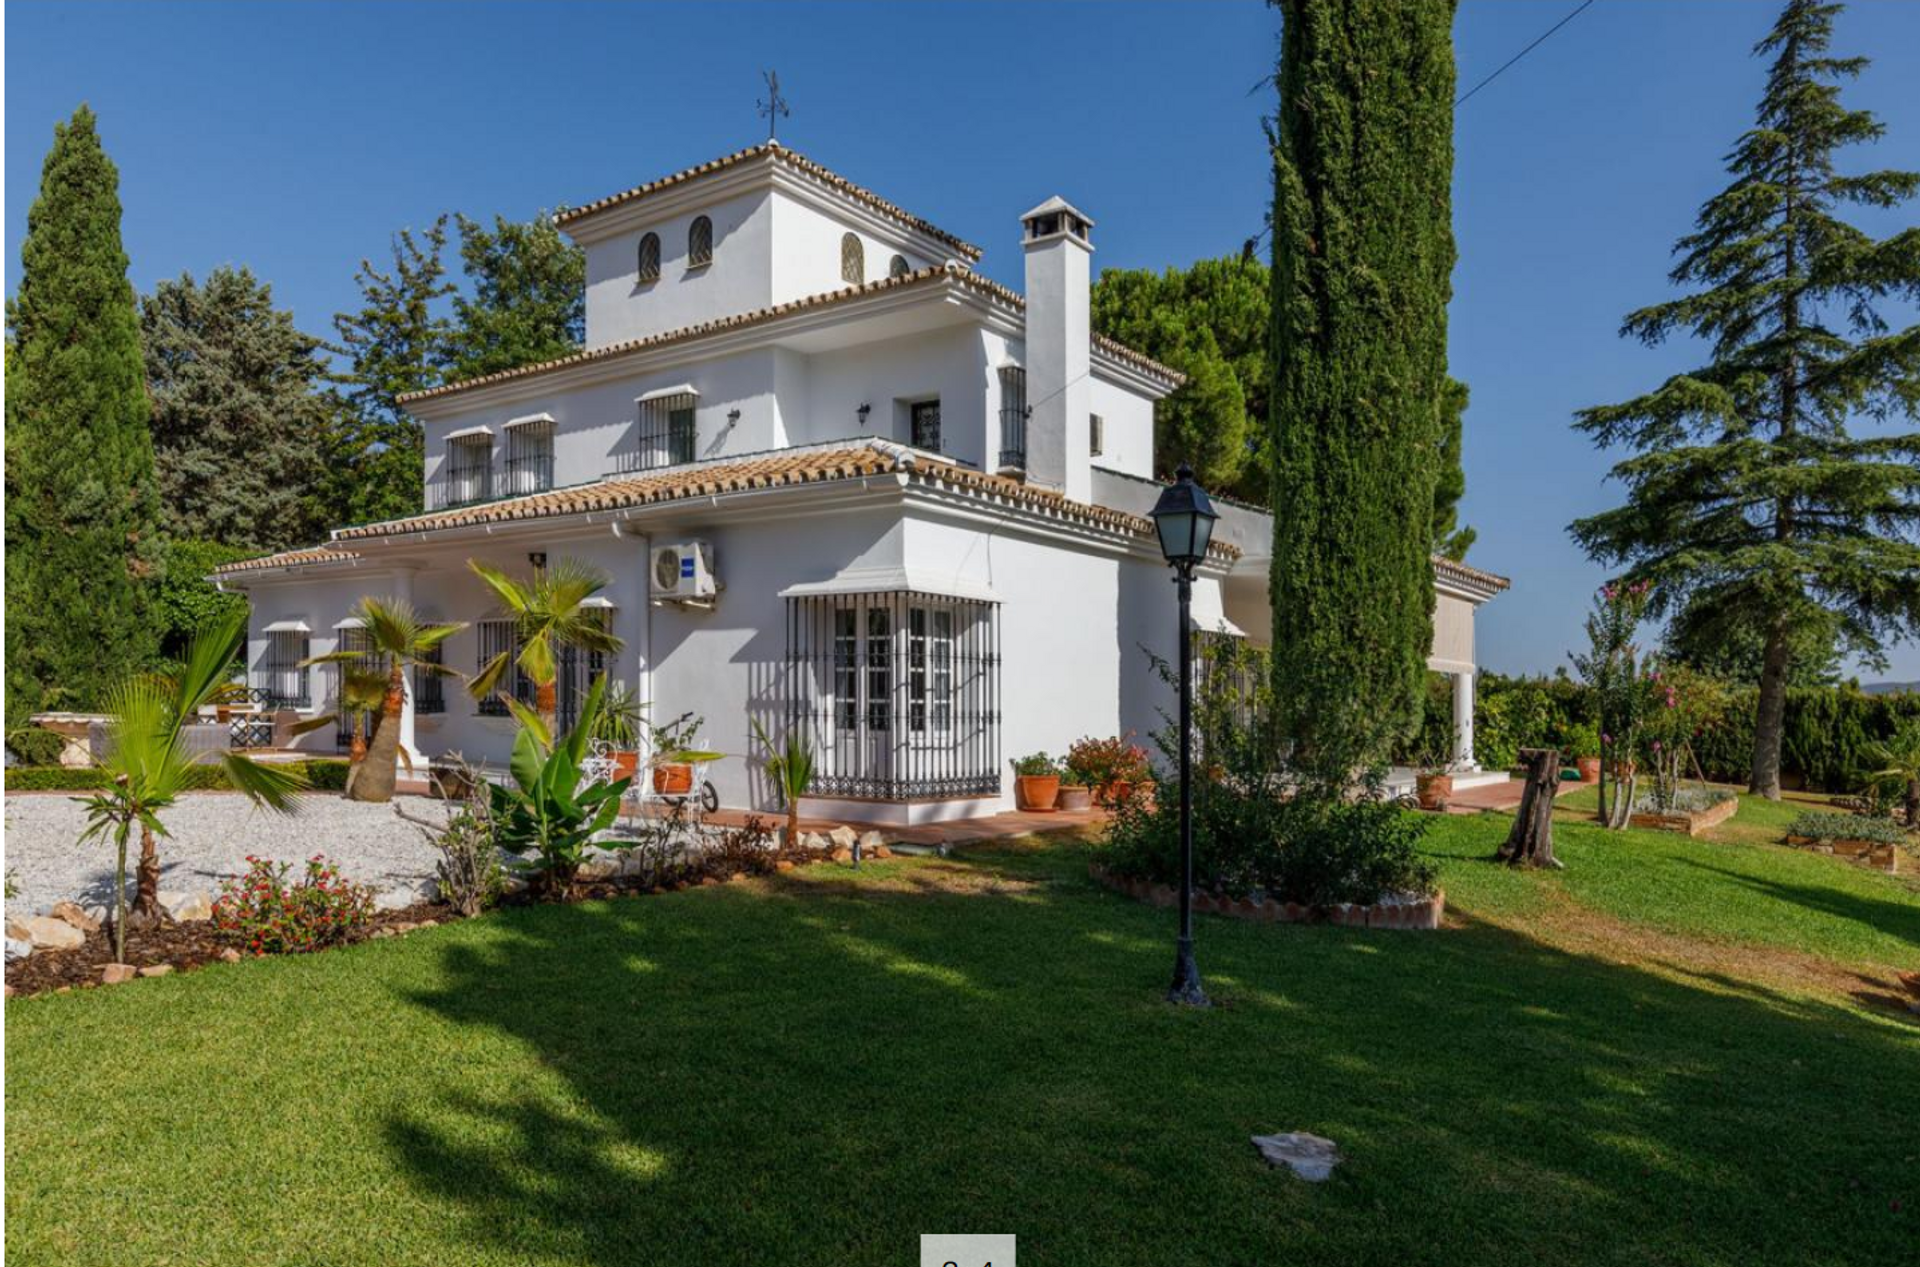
(1896, 919)
(816, 1070)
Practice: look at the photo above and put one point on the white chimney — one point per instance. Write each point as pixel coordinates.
(1059, 392)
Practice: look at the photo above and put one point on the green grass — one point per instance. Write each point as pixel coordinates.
(818, 1069)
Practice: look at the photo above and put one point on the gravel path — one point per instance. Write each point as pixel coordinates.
(212, 834)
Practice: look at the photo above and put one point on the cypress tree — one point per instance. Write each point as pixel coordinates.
(1362, 254)
(1747, 496)
(81, 500)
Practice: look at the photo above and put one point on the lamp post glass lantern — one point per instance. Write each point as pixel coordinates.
(1184, 518)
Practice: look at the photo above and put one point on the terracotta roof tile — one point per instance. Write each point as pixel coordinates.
(778, 469)
(798, 162)
(287, 559)
(667, 338)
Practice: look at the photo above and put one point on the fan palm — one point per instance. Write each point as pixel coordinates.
(550, 612)
(397, 639)
(148, 762)
(1900, 756)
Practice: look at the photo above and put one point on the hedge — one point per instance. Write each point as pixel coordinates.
(1829, 730)
(322, 775)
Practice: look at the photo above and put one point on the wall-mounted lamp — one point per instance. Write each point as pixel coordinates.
(733, 416)
(863, 411)
(538, 558)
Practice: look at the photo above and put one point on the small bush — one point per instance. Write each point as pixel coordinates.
(323, 775)
(748, 848)
(1100, 762)
(37, 746)
(265, 915)
(1821, 826)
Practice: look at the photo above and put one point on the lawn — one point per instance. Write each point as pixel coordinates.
(1657, 1056)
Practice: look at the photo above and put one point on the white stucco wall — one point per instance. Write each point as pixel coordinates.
(806, 249)
(620, 307)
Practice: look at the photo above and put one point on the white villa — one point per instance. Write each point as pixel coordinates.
(839, 480)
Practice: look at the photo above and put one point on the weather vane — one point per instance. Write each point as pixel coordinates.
(774, 108)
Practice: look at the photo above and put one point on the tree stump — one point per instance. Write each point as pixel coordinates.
(1530, 843)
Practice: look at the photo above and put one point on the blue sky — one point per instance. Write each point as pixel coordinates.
(293, 138)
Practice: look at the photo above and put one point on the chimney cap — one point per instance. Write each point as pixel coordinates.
(1056, 205)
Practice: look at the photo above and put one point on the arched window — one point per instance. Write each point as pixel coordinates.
(650, 258)
(898, 266)
(853, 260)
(700, 242)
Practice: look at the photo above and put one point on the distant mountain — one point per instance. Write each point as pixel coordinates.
(1891, 688)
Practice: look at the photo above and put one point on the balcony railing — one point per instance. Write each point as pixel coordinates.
(530, 473)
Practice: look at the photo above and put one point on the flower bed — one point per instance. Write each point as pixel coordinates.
(1403, 911)
(1873, 842)
(1689, 819)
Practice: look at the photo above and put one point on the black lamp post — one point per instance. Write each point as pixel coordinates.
(1184, 517)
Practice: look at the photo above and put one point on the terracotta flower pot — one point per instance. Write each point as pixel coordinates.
(1589, 768)
(1075, 797)
(625, 764)
(673, 779)
(1434, 790)
(1035, 793)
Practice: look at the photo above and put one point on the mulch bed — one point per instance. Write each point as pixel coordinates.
(186, 946)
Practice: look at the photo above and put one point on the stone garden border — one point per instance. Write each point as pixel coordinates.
(1879, 854)
(1407, 912)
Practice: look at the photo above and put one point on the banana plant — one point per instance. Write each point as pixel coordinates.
(546, 812)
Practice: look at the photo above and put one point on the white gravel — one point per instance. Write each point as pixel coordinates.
(212, 834)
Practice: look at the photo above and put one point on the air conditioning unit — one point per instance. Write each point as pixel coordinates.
(683, 572)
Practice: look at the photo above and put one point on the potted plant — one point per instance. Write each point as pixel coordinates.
(1074, 792)
(1433, 782)
(674, 754)
(1582, 743)
(1111, 768)
(1036, 782)
(618, 727)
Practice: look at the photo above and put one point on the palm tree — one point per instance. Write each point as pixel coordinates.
(550, 612)
(397, 640)
(148, 762)
(1900, 756)
(361, 692)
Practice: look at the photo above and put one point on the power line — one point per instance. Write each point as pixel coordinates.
(1523, 52)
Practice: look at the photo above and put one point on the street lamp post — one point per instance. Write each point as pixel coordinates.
(1184, 517)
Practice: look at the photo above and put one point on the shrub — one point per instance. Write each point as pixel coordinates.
(265, 915)
(747, 848)
(1819, 826)
(37, 746)
(322, 774)
(1100, 762)
(468, 872)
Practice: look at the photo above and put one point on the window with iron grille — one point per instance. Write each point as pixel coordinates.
(429, 688)
(1013, 417)
(700, 242)
(898, 266)
(530, 458)
(898, 693)
(278, 675)
(351, 638)
(853, 260)
(1096, 434)
(925, 417)
(469, 470)
(497, 637)
(649, 258)
(666, 436)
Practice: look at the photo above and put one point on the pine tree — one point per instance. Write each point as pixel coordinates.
(1363, 249)
(397, 343)
(1208, 321)
(1747, 494)
(239, 412)
(81, 500)
(528, 302)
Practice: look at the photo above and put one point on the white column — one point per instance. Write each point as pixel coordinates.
(403, 590)
(1463, 721)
